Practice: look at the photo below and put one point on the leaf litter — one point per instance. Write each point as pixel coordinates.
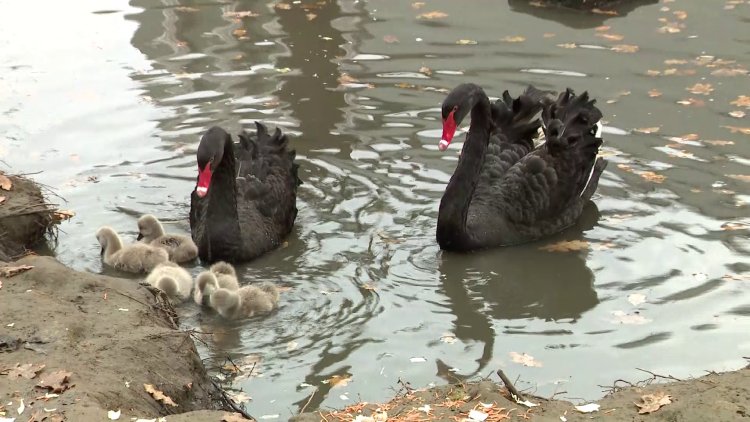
(28, 371)
(56, 382)
(525, 359)
(159, 396)
(653, 402)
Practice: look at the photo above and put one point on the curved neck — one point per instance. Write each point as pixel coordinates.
(454, 207)
(114, 244)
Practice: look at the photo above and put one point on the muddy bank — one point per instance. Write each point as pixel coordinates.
(25, 216)
(714, 397)
(110, 335)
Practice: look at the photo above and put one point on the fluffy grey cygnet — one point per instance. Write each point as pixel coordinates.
(205, 285)
(245, 302)
(225, 275)
(172, 279)
(135, 258)
(180, 248)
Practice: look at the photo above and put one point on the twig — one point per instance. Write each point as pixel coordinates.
(308, 401)
(669, 377)
(228, 400)
(615, 388)
(509, 385)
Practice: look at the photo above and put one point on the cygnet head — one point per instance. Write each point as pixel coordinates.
(222, 267)
(149, 227)
(206, 279)
(225, 302)
(108, 239)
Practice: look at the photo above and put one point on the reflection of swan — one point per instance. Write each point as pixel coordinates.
(527, 283)
(135, 258)
(575, 18)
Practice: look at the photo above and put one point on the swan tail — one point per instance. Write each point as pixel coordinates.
(573, 121)
(514, 115)
(593, 180)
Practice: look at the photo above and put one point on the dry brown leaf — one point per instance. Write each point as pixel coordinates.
(610, 37)
(56, 382)
(525, 360)
(680, 14)
(466, 42)
(417, 5)
(719, 142)
(652, 177)
(12, 271)
(694, 102)
(310, 16)
(233, 417)
(283, 6)
(339, 381)
(2, 199)
(672, 62)
(737, 114)
(390, 39)
(602, 28)
(240, 14)
(652, 402)
(740, 177)
(731, 226)
(426, 70)
(61, 215)
(159, 396)
(700, 89)
(28, 370)
(670, 28)
(729, 72)
(652, 72)
(5, 182)
(566, 246)
(653, 93)
(741, 101)
(625, 48)
(647, 129)
(514, 38)
(736, 277)
(736, 129)
(435, 14)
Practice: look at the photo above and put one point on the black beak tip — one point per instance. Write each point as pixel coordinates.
(140, 236)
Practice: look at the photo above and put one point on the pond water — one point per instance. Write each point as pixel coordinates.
(108, 100)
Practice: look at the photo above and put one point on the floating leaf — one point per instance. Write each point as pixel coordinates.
(515, 38)
(566, 246)
(672, 62)
(466, 42)
(625, 48)
(652, 177)
(653, 93)
(740, 177)
(735, 129)
(12, 271)
(647, 129)
(652, 402)
(680, 14)
(28, 371)
(524, 359)
(56, 382)
(436, 14)
(310, 16)
(602, 28)
(338, 381)
(159, 396)
(62, 215)
(283, 6)
(730, 226)
(719, 142)
(239, 397)
(5, 182)
(669, 28)
(729, 72)
(741, 101)
(610, 37)
(604, 12)
(692, 102)
(417, 5)
(568, 45)
(241, 14)
(448, 338)
(390, 39)
(700, 89)
(737, 114)
(425, 70)
(636, 298)
(629, 319)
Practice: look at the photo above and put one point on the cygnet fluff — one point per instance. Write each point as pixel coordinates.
(172, 279)
(180, 248)
(135, 258)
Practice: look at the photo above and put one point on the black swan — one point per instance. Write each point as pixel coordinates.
(244, 201)
(503, 191)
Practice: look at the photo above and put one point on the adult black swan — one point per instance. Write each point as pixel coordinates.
(503, 191)
(244, 201)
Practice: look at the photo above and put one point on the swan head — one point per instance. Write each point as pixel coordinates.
(455, 107)
(225, 302)
(209, 155)
(149, 227)
(205, 280)
(107, 238)
(222, 267)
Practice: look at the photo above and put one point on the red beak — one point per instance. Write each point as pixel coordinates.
(449, 129)
(204, 180)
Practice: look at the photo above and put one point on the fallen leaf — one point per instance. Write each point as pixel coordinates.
(566, 246)
(233, 417)
(737, 114)
(602, 28)
(5, 182)
(636, 298)
(292, 345)
(729, 72)
(653, 93)
(719, 142)
(426, 70)
(629, 319)
(310, 16)
(159, 396)
(56, 382)
(524, 359)
(515, 38)
(647, 129)
(12, 271)
(433, 15)
(417, 5)
(241, 14)
(28, 371)
(599, 11)
(239, 32)
(610, 37)
(730, 226)
(741, 101)
(652, 402)
(680, 14)
(700, 89)
(2, 199)
(672, 62)
(466, 42)
(625, 48)
(448, 338)
(390, 39)
(740, 177)
(568, 45)
(692, 102)
(283, 6)
(735, 129)
(114, 415)
(652, 177)
(62, 215)
(338, 381)
(239, 397)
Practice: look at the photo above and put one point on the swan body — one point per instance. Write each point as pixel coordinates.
(172, 279)
(244, 201)
(180, 248)
(205, 285)
(245, 302)
(505, 191)
(135, 258)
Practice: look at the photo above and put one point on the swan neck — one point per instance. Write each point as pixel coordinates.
(114, 244)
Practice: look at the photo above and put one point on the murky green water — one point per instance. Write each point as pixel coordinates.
(108, 99)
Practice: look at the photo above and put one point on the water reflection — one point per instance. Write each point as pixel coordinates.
(575, 18)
